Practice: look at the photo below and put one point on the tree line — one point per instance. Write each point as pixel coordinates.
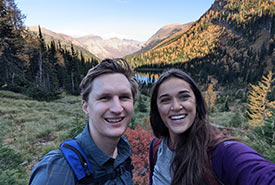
(30, 65)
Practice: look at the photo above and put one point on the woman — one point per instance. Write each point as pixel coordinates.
(191, 151)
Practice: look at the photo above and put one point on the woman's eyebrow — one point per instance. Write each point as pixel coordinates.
(163, 95)
(180, 92)
(184, 92)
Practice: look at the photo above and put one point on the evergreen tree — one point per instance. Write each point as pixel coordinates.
(141, 104)
(12, 43)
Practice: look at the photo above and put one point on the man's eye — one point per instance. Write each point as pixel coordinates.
(125, 97)
(103, 98)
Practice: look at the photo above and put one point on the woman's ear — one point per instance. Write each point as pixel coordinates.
(85, 107)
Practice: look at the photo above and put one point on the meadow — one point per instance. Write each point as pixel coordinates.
(31, 128)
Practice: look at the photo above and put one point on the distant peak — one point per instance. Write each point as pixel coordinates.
(171, 26)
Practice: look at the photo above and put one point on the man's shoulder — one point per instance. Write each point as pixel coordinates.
(53, 157)
(52, 169)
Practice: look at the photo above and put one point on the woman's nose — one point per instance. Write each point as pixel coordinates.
(176, 106)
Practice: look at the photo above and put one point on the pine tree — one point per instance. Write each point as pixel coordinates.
(141, 104)
(259, 106)
(12, 43)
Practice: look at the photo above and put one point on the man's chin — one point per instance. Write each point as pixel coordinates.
(117, 132)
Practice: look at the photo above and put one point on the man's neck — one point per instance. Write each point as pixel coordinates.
(107, 145)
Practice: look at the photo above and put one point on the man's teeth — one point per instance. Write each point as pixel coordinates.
(178, 117)
(114, 120)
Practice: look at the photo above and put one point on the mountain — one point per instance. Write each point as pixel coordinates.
(93, 45)
(65, 40)
(109, 48)
(162, 34)
(234, 39)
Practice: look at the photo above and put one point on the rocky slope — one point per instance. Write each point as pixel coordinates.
(102, 48)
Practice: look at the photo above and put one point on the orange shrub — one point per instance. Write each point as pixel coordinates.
(139, 140)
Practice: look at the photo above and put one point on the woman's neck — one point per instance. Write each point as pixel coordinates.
(171, 143)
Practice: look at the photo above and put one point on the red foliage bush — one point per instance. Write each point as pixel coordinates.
(139, 140)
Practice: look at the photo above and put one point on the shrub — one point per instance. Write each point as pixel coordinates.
(11, 177)
(42, 95)
(11, 170)
(236, 120)
(141, 103)
(267, 132)
(139, 140)
(77, 125)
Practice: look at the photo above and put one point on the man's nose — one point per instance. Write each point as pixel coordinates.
(116, 106)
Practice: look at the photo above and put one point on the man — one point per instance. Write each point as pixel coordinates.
(108, 92)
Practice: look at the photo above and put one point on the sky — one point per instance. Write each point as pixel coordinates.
(125, 19)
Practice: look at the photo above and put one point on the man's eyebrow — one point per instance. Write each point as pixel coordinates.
(102, 94)
(126, 93)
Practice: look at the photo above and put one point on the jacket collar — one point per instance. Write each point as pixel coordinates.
(94, 153)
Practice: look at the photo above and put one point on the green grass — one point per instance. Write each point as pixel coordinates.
(32, 128)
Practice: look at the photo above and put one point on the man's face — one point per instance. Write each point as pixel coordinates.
(110, 106)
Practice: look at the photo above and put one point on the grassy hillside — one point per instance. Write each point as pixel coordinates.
(30, 129)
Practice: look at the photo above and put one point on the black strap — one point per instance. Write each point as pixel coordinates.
(152, 159)
(83, 163)
(125, 166)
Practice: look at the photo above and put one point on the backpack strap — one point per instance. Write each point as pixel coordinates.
(126, 166)
(82, 169)
(153, 152)
(76, 159)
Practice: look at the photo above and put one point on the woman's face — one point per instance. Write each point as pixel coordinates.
(176, 105)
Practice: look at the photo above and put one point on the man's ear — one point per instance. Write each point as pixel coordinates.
(85, 107)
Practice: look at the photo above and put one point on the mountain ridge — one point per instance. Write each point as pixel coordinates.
(65, 40)
(162, 34)
(109, 48)
(94, 44)
(113, 47)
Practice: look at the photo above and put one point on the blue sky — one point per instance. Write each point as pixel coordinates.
(129, 19)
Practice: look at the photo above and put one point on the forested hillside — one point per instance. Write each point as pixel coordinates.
(233, 40)
(30, 65)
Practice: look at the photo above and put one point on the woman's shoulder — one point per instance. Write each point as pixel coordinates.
(229, 147)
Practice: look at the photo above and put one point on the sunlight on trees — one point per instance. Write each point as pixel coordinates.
(210, 97)
(259, 106)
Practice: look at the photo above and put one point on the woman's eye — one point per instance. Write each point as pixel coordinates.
(165, 100)
(184, 97)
